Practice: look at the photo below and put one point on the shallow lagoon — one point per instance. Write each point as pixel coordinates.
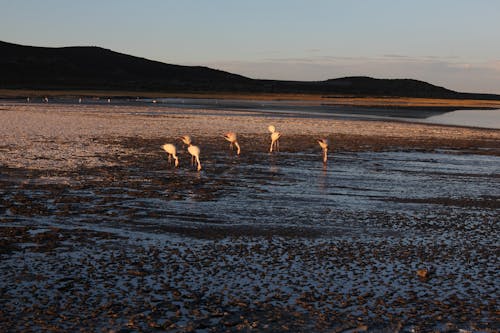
(471, 118)
(262, 241)
(260, 237)
(474, 118)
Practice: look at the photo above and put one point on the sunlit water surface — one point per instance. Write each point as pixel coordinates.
(474, 118)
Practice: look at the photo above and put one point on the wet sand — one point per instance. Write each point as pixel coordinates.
(97, 232)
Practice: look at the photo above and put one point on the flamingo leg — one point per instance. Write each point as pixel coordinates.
(199, 163)
(237, 147)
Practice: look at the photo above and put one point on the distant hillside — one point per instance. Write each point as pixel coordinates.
(95, 68)
(98, 68)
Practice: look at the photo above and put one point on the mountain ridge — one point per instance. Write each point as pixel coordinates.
(93, 67)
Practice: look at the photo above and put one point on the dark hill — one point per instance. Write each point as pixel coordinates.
(98, 68)
(95, 68)
(363, 86)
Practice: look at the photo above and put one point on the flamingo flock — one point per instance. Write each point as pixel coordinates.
(171, 152)
(323, 143)
(194, 151)
(275, 136)
(195, 156)
(231, 137)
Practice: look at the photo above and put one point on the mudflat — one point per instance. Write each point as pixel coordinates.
(397, 232)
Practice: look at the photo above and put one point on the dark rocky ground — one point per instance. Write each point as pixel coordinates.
(258, 242)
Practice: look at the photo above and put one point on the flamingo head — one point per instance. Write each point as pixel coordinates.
(323, 143)
(230, 136)
(186, 139)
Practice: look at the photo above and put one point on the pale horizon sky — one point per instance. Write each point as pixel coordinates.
(450, 43)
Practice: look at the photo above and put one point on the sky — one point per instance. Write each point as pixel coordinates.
(450, 43)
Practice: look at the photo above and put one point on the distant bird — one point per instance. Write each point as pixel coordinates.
(274, 138)
(324, 145)
(171, 152)
(186, 139)
(231, 137)
(109, 100)
(195, 156)
(79, 101)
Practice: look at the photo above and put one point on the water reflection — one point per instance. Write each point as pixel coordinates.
(323, 181)
(474, 118)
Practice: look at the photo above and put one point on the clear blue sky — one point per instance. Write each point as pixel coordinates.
(451, 43)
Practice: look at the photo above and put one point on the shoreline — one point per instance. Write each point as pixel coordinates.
(438, 115)
(73, 132)
(339, 100)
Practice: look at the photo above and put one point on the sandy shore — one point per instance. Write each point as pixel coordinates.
(98, 233)
(68, 136)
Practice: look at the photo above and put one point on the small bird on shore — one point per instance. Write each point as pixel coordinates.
(171, 152)
(323, 143)
(231, 137)
(195, 156)
(275, 136)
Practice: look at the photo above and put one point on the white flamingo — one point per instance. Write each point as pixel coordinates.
(195, 155)
(274, 138)
(171, 152)
(231, 137)
(323, 143)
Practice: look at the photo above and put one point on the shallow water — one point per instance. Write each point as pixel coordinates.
(468, 118)
(260, 239)
(475, 118)
(284, 190)
(297, 109)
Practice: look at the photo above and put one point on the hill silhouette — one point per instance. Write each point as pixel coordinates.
(96, 68)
